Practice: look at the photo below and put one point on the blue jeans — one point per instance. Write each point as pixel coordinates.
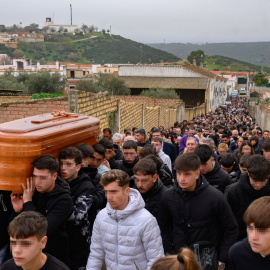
(3, 251)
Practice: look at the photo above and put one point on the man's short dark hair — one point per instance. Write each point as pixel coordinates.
(106, 143)
(227, 160)
(157, 139)
(71, 153)
(266, 145)
(259, 213)
(162, 133)
(130, 145)
(107, 130)
(48, 162)
(141, 131)
(28, 224)
(86, 149)
(224, 135)
(258, 168)
(118, 176)
(155, 130)
(148, 149)
(100, 149)
(158, 161)
(244, 161)
(133, 129)
(145, 166)
(128, 133)
(204, 152)
(187, 162)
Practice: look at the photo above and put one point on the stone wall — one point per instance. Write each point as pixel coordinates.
(20, 109)
(114, 112)
(148, 101)
(262, 113)
(98, 105)
(131, 115)
(193, 112)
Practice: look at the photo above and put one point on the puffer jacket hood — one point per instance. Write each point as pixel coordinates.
(135, 203)
(126, 239)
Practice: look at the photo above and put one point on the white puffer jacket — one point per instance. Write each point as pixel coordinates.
(126, 239)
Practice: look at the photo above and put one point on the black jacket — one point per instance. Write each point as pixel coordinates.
(118, 153)
(56, 206)
(152, 198)
(143, 144)
(239, 196)
(6, 210)
(169, 149)
(218, 178)
(241, 256)
(50, 264)
(118, 156)
(127, 167)
(165, 175)
(78, 226)
(99, 194)
(187, 217)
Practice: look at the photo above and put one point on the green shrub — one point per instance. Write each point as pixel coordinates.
(45, 95)
(159, 92)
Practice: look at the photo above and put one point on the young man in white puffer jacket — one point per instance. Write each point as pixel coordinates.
(125, 235)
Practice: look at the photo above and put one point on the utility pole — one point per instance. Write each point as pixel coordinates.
(71, 13)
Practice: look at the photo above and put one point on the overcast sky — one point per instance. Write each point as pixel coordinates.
(152, 21)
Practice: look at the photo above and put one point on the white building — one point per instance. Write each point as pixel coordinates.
(19, 65)
(65, 27)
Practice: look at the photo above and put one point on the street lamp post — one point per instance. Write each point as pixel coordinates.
(141, 55)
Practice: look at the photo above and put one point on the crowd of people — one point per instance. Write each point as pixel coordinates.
(194, 196)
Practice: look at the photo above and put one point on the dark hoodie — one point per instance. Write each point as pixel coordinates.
(127, 167)
(241, 256)
(187, 217)
(6, 210)
(78, 227)
(239, 196)
(99, 194)
(56, 206)
(118, 153)
(152, 198)
(218, 178)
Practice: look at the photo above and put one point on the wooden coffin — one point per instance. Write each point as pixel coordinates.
(23, 140)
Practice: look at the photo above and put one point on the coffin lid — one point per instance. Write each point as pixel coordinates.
(39, 122)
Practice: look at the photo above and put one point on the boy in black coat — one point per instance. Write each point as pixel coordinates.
(50, 195)
(253, 253)
(194, 211)
(5, 212)
(146, 181)
(27, 241)
(252, 185)
(211, 169)
(82, 191)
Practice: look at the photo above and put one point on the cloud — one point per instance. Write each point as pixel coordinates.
(154, 20)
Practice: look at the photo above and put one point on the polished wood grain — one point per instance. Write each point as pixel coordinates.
(23, 140)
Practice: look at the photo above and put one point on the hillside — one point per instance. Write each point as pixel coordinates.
(217, 62)
(249, 52)
(93, 48)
